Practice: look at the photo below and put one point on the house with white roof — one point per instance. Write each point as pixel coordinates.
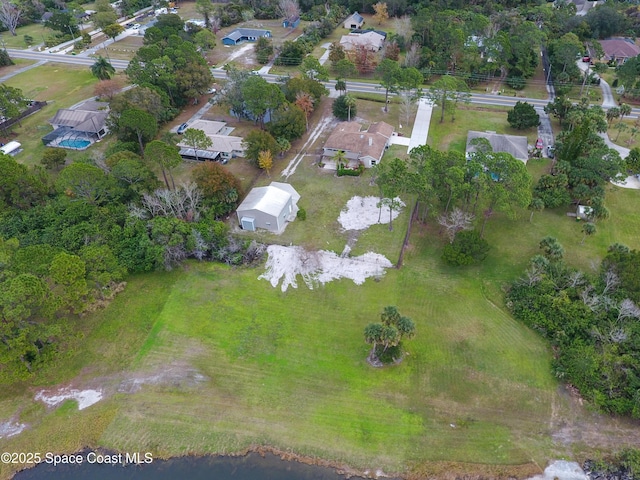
(370, 39)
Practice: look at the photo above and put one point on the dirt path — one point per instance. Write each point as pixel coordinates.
(585, 432)
(313, 136)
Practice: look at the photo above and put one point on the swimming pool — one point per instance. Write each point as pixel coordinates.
(78, 143)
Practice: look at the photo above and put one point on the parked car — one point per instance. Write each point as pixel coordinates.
(551, 151)
(182, 128)
(586, 59)
(212, 90)
(539, 144)
(136, 26)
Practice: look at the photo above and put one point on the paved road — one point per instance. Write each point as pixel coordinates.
(70, 59)
(361, 87)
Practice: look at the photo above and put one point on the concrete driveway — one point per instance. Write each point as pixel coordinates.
(421, 124)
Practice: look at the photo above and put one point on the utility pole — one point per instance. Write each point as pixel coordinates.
(586, 76)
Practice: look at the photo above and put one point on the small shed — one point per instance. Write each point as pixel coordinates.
(268, 207)
(289, 23)
(11, 148)
(355, 20)
(584, 212)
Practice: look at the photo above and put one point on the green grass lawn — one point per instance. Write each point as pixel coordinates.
(35, 30)
(61, 86)
(453, 136)
(627, 138)
(287, 369)
(124, 49)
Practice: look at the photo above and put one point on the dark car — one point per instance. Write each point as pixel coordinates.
(182, 128)
(586, 59)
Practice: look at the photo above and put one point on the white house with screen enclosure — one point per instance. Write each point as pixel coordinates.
(268, 207)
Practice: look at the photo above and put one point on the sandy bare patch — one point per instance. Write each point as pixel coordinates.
(11, 428)
(319, 267)
(174, 376)
(244, 50)
(360, 213)
(85, 398)
(562, 470)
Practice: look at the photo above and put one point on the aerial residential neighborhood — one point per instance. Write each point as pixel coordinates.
(308, 239)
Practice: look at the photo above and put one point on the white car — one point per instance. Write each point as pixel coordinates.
(136, 26)
(212, 90)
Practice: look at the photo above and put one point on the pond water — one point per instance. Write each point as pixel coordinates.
(250, 467)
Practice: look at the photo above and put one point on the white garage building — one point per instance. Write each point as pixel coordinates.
(268, 207)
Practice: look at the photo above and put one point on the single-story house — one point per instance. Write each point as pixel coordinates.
(516, 145)
(369, 39)
(355, 20)
(240, 35)
(287, 23)
(224, 146)
(268, 207)
(619, 50)
(366, 147)
(79, 127)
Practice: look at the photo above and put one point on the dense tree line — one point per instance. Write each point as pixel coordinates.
(584, 163)
(67, 244)
(591, 319)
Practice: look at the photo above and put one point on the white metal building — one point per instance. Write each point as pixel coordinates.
(268, 207)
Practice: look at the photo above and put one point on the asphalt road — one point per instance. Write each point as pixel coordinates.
(61, 58)
(361, 87)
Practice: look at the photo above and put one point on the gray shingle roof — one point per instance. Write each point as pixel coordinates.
(238, 33)
(80, 120)
(356, 17)
(513, 144)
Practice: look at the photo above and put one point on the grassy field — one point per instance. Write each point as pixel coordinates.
(37, 31)
(60, 85)
(288, 370)
(627, 138)
(124, 49)
(453, 136)
(225, 362)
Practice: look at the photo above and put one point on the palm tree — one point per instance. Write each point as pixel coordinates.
(341, 85)
(624, 110)
(612, 113)
(621, 127)
(102, 69)
(588, 229)
(536, 205)
(340, 157)
(350, 102)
